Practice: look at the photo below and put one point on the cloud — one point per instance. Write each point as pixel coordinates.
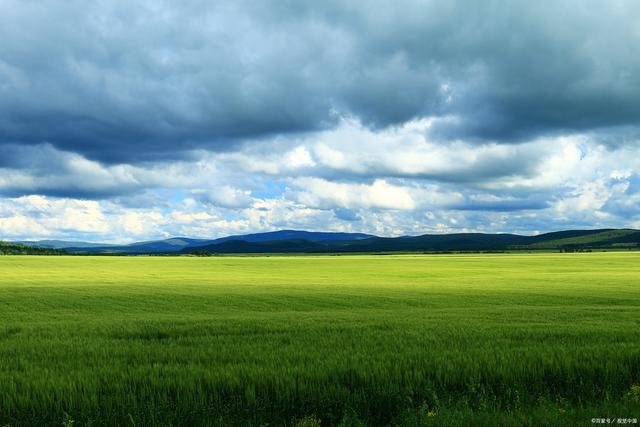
(490, 202)
(21, 225)
(36, 216)
(416, 116)
(45, 170)
(346, 214)
(42, 169)
(352, 151)
(130, 82)
(225, 196)
(570, 182)
(379, 195)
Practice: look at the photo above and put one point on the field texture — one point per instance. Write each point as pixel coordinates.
(508, 339)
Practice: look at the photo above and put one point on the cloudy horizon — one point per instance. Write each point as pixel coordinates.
(122, 121)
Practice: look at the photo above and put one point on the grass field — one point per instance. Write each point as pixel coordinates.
(506, 339)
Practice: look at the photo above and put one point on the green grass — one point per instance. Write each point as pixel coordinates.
(507, 339)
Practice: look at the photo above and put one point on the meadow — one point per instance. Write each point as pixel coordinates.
(475, 339)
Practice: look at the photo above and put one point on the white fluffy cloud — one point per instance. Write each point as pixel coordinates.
(37, 216)
(390, 181)
(379, 195)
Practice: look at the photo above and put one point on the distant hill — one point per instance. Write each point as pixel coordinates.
(310, 236)
(61, 244)
(434, 242)
(293, 241)
(172, 245)
(595, 239)
(8, 248)
(273, 246)
(572, 240)
(179, 244)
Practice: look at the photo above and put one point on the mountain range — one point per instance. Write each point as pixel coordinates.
(293, 241)
(179, 244)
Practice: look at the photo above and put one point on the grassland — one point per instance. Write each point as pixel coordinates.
(506, 339)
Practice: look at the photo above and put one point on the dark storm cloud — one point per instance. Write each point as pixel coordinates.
(129, 81)
(41, 169)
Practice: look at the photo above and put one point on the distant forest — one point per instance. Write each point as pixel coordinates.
(7, 248)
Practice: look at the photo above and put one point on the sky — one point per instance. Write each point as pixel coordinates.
(123, 121)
